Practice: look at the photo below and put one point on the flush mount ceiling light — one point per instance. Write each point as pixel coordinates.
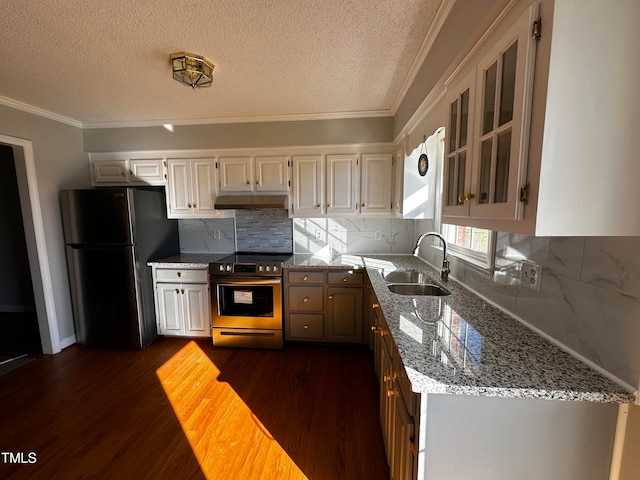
(192, 70)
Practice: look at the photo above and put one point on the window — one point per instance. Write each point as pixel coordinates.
(476, 245)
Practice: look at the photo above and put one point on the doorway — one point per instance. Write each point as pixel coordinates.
(18, 318)
(34, 231)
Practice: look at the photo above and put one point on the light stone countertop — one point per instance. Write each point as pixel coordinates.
(188, 260)
(460, 344)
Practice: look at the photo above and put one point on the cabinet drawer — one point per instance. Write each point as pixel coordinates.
(306, 299)
(193, 275)
(305, 325)
(298, 276)
(345, 277)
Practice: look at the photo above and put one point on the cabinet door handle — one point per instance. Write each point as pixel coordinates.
(328, 205)
(195, 206)
(306, 327)
(466, 196)
(248, 182)
(177, 290)
(386, 378)
(182, 291)
(305, 299)
(189, 205)
(179, 274)
(318, 206)
(344, 279)
(305, 278)
(391, 393)
(330, 297)
(375, 305)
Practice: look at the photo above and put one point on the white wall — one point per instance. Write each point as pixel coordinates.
(60, 162)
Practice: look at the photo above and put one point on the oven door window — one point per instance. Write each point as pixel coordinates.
(246, 300)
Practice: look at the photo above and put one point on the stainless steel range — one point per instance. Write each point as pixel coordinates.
(246, 300)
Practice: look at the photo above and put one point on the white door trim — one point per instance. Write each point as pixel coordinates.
(36, 244)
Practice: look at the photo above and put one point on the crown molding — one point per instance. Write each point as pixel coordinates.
(436, 26)
(246, 119)
(24, 107)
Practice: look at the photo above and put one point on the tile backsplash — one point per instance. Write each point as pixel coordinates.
(589, 299)
(207, 236)
(353, 235)
(264, 231)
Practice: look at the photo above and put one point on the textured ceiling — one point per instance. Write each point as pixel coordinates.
(104, 63)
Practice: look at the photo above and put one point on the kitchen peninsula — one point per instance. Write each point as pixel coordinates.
(475, 393)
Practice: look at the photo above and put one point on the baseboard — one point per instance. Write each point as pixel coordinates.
(67, 342)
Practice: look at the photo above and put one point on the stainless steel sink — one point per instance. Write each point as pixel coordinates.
(407, 276)
(418, 289)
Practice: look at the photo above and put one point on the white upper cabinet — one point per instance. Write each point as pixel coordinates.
(342, 181)
(375, 185)
(347, 184)
(308, 186)
(260, 173)
(124, 169)
(550, 150)
(487, 130)
(235, 174)
(272, 173)
(190, 188)
(588, 157)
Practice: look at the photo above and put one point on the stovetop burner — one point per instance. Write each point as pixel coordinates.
(250, 263)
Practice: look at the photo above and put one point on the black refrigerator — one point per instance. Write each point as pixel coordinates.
(110, 235)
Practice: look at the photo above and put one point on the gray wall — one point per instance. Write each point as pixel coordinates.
(60, 162)
(240, 135)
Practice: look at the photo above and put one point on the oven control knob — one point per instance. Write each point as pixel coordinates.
(268, 268)
(260, 268)
(228, 267)
(221, 268)
(275, 269)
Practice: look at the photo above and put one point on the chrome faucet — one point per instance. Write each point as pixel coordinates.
(444, 272)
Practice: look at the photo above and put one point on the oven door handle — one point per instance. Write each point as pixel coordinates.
(219, 280)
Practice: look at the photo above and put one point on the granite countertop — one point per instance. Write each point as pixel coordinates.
(460, 344)
(188, 260)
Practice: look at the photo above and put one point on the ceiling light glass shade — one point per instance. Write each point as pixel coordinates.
(192, 70)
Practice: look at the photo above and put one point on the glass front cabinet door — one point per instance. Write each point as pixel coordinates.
(457, 163)
(487, 137)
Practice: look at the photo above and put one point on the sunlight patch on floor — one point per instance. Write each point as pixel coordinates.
(227, 439)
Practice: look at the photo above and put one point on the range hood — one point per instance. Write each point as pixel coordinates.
(251, 202)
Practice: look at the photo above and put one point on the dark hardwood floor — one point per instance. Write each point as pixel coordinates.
(182, 409)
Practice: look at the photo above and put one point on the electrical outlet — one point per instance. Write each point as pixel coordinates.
(318, 234)
(530, 275)
(378, 235)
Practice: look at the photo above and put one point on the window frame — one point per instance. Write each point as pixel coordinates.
(482, 261)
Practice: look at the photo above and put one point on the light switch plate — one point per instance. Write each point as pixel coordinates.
(530, 275)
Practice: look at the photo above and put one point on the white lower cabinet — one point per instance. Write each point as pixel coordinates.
(182, 307)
